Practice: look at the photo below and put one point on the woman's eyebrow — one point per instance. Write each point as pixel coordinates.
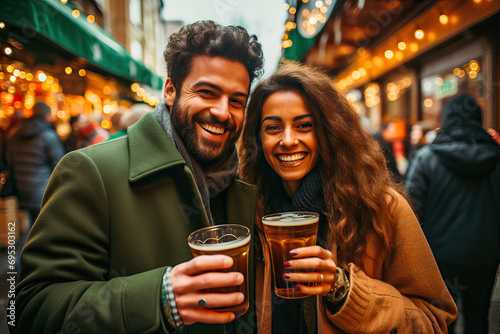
(302, 116)
(274, 118)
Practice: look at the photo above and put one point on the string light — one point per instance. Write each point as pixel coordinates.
(419, 34)
(135, 87)
(401, 46)
(91, 18)
(443, 18)
(41, 76)
(106, 124)
(75, 13)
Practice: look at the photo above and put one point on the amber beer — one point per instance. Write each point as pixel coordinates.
(286, 231)
(231, 240)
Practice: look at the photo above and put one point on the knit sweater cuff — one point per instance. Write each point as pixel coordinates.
(351, 315)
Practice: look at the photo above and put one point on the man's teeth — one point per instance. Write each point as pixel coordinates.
(213, 129)
(291, 158)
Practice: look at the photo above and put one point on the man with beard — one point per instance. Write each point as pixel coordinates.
(109, 252)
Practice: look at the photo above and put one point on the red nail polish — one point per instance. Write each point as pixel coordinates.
(293, 252)
(286, 276)
(287, 264)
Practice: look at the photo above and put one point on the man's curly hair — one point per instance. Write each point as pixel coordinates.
(207, 38)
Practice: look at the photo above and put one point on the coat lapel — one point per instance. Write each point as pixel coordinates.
(150, 149)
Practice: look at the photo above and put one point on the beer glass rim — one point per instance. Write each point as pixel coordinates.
(214, 227)
(313, 214)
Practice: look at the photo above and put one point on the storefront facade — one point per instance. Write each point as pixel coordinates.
(52, 52)
(401, 63)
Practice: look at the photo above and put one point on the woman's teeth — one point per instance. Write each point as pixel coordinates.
(291, 158)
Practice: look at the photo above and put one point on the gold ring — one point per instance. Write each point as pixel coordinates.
(321, 278)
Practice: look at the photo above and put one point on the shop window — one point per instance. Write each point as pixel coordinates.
(135, 12)
(438, 89)
(372, 105)
(136, 50)
(398, 97)
(400, 109)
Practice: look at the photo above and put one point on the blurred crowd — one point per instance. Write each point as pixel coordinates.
(31, 148)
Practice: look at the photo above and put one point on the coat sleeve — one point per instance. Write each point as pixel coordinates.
(409, 297)
(64, 283)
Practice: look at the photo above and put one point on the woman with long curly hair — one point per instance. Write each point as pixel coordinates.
(304, 148)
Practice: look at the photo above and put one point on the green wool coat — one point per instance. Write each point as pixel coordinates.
(114, 216)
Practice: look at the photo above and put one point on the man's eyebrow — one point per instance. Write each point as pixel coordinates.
(273, 118)
(216, 87)
(207, 83)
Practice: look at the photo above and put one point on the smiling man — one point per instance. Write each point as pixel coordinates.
(208, 110)
(109, 252)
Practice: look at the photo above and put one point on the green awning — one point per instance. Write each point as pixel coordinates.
(300, 46)
(53, 20)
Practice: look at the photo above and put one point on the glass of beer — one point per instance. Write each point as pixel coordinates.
(286, 231)
(232, 240)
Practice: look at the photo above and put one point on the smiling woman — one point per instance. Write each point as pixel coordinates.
(304, 147)
(288, 137)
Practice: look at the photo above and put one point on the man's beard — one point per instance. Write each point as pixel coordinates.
(206, 153)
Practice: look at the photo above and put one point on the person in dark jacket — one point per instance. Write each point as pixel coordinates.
(455, 182)
(34, 151)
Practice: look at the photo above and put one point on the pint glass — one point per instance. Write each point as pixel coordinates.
(286, 231)
(231, 240)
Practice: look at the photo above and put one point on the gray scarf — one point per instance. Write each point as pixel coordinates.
(209, 184)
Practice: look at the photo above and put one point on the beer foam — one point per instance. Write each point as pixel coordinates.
(222, 246)
(291, 219)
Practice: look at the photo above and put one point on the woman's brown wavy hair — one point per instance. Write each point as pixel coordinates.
(356, 183)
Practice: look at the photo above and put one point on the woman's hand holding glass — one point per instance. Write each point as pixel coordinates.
(319, 269)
